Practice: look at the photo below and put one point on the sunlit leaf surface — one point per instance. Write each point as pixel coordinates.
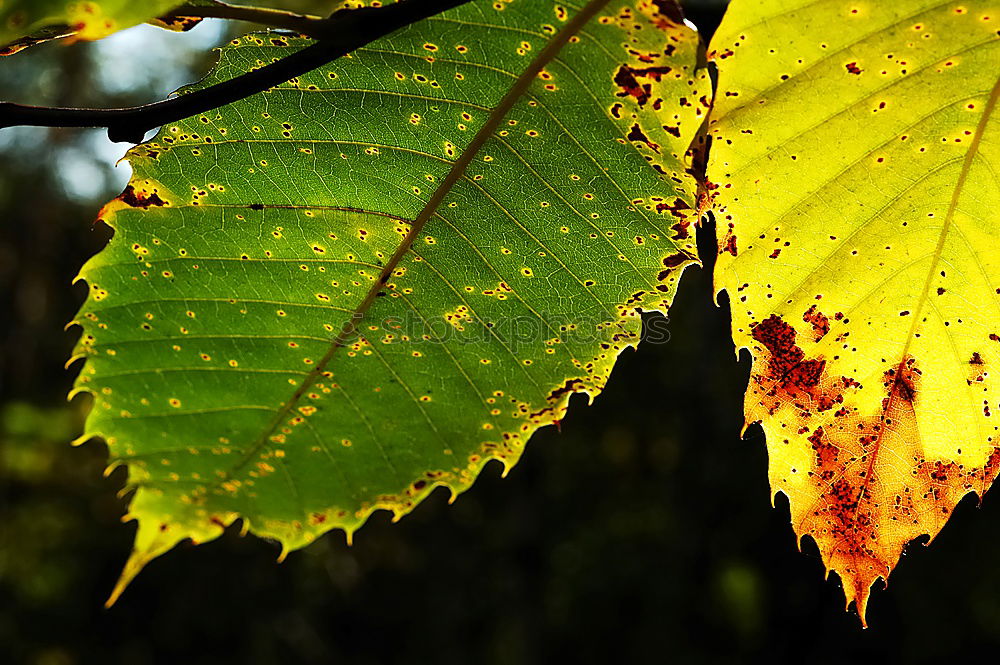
(250, 236)
(854, 172)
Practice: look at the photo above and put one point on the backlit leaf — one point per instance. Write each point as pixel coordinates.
(854, 171)
(251, 236)
(26, 22)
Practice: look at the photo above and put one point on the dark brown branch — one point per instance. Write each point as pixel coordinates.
(348, 30)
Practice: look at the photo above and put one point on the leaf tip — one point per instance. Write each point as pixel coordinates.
(152, 539)
(83, 438)
(860, 601)
(857, 591)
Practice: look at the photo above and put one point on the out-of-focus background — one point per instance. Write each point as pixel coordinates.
(641, 532)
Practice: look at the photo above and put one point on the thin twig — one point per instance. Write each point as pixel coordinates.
(350, 29)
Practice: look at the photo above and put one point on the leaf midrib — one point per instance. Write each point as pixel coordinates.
(455, 174)
(963, 175)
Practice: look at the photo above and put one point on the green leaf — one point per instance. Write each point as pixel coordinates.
(261, 340)
(854, 161)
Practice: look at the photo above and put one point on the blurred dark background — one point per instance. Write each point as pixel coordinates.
(642, 532)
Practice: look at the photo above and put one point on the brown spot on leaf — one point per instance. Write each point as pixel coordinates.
(670, 10)
(140, 199)
(675, 208)
(791, 378)
(819, 322)
(826, 453)
(179, 23)
(571, 386)
(636, 134)
(729, 244)
(675, 260)
(902, 381)
(627, 78)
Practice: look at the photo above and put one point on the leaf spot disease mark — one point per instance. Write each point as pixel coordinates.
(140, 199)
(627, 78)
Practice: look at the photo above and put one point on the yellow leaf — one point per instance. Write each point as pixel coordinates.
(25, 22)
(854, 178)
